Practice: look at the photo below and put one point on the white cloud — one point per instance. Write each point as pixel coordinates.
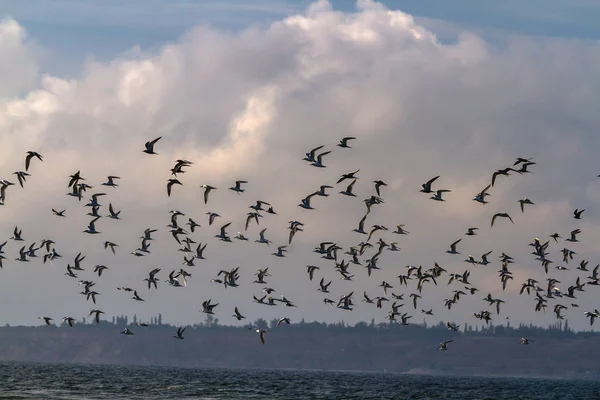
(248, 105)
(18, 68)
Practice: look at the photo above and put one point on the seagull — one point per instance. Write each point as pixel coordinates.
(349, 175)
(91, 229)
(21, 176)
(207, 308)
(438, 194)
(348, 191)
(136, 296)
(170, 184)
(480, 198)
(193, 224)
(344, 142)
(99, 268)
(207, 189)
(211, 217)
(573, 237)
(504, 215)
(179, 334)
(319, 162)
(97, 315)
(453, 247)
(471, 231)
(237, 314)
(112, 246)
(305, 202)
(30, 155)
(322, 188)
(113, 214)
(262, 237)
(17, 234)
(378, 183)
(238, 187)
(444, 345)
(110, 181)
(150, 146)
(280, 251)
(400, 230)
(127, 332)
(261, 333)
(504, 172)
(200, 251)
(523, 202)
(310, 156)
(427, 185)
(311, 271)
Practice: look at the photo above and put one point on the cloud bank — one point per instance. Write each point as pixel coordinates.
(248, 106)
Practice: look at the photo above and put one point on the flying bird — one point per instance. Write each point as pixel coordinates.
(344, 142)
(150, 146)
(170, 183)
(427, 185)
(30, 155)
(503, 215)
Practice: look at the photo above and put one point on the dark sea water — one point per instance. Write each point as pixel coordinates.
(56, 381)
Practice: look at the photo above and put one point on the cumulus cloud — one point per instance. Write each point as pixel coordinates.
(248, 106)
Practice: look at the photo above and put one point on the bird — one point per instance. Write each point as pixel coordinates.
(112, 246)
(59, 213)
(438, 194)
(577, 213)
(110, 181)
(444, 345)
(30, 155)
(21, 177)
(91, 229)
(378, 183)
(427, 185)
(170, 183)
(237, 315)
(319, 161)
(503, 215)
(523, 202)
(453, 247)
(261, 334)
(282, 320)
(310, 156)
(179, 334)
(344, 142)
(238, 187)
(127, 332)
(112, 213)
(207, 189)
(305, 202)
(150, 146)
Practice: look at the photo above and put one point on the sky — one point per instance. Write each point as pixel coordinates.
(244, 92)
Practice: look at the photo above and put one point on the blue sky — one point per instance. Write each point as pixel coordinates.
(72, 30)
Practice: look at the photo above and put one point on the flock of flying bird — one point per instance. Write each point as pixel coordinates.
(543, 295)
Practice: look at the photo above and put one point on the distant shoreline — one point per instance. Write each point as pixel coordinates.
(407, 350)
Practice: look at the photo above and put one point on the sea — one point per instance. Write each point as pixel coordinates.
(60, 381)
